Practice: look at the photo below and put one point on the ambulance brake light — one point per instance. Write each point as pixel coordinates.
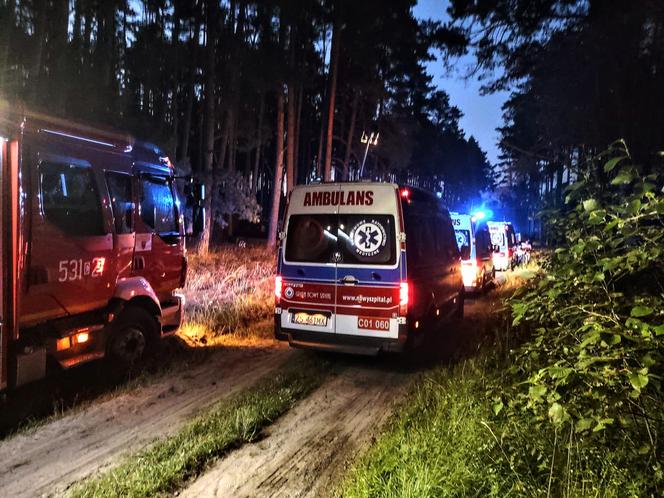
(278, 284)
(404, 298)
(405, 193)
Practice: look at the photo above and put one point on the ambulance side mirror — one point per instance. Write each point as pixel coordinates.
(465, 252)
(495, 248)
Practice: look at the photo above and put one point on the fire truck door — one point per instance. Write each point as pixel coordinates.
(71, 247)
(158, 253)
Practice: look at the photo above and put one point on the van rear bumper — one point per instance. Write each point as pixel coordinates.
(341, 343)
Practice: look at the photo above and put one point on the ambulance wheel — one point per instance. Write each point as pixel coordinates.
(133, 334)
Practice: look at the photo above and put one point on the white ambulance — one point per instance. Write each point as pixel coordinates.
(474, 241)
(503, 238)
(364, 267)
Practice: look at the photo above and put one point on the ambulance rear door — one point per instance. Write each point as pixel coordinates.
(369, 269)
(309, 260)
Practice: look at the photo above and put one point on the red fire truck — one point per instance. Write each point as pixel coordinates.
(92, 246)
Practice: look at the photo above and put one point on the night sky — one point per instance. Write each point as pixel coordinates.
(481, 114)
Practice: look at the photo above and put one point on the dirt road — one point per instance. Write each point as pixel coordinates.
(302, 453)
(49, 459)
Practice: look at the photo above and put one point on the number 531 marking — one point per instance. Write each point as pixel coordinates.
(70, 270)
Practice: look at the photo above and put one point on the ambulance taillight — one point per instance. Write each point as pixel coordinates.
(278, 287)
(469, 272)
(404, 298)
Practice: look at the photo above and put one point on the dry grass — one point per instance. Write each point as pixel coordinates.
(229, 295)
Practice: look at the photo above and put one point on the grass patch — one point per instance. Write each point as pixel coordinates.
(228, 291)
(431, 447)
(166, 465)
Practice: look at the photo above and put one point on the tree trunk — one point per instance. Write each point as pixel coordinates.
(224, 140)
(58, 56)
(334, 66)
(290, 138)
(351, 134)
(36, 63)
(319, 153)
(278, 171)
(208, 162)
(175, 43)
(298, 120)
(7, 27)
(232, 141)
(191, 90)
(259, 144)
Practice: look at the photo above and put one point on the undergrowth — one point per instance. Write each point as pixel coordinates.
(567, 399)
(227, 291)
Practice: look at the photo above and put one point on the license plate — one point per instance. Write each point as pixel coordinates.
(368, 323)
(315, 319)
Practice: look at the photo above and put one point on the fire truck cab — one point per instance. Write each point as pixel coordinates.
(92, 246)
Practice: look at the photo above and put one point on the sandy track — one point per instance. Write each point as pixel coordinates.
(302, 453)
(48, 460)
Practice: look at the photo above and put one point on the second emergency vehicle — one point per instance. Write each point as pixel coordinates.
(474, 241)
(504, 238)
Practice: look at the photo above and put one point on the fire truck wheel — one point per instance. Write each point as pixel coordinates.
(133, 333)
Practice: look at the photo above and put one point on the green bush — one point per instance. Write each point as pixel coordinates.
(588, 378)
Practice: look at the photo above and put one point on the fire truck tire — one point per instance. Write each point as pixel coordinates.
(133, 334)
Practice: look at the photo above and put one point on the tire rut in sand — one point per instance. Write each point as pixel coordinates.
(302, 453)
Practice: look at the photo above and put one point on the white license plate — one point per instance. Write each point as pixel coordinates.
(315, 319)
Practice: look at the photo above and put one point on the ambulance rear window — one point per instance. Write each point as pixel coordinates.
(462, 238)
(351, 239)
(367, 239)
(498, 238)
(311, 238)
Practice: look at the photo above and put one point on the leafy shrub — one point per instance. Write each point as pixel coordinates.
(591, 371)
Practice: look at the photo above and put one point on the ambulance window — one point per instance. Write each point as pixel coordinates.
(421, 243)
(158, 205)
(431, 247)
(446, 239)
(462, 238)
(482, 242)
(367, 239)
(498, 238)
(119, 188)
(70, 200)
(311, 238)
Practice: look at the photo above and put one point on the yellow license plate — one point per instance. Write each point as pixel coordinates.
(316, 319)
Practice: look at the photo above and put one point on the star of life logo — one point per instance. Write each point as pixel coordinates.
(368, 237)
